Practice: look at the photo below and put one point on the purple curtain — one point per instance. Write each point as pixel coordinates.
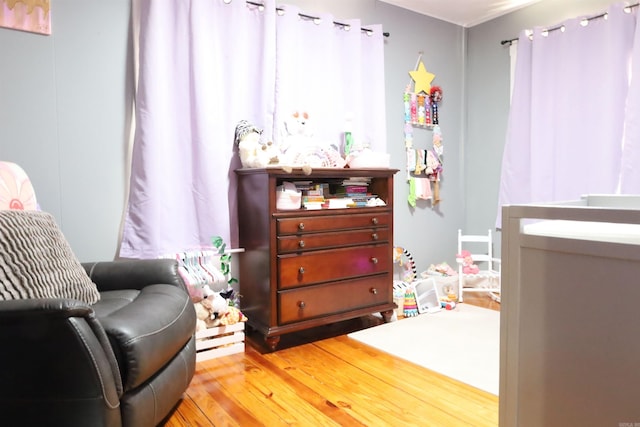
(333, 73)
(565, 131)
(204, 65)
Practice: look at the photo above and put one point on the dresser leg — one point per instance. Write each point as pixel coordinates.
(386, 315)
(272, 342)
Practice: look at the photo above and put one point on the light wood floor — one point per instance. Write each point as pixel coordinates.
(323, 378)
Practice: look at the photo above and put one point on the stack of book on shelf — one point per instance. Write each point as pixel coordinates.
(335, 193)
(338, 203)
(357, 189)
(314, 195)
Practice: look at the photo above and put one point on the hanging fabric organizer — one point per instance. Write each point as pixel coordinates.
(424, 165)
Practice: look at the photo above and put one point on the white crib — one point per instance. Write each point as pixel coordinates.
(570, 313)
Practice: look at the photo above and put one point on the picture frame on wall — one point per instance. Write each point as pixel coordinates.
(32, 16)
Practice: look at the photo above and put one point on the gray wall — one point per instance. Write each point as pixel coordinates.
(64, 114)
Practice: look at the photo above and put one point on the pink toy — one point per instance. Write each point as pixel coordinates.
(468, 267)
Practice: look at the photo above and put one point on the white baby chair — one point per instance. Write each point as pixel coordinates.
(480, 248)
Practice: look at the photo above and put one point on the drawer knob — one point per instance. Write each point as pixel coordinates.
(374, 236)
(301, 243)
(374, 221)
(301, 304)
(301, 226)
(374, 291)
(301, 270)
(374, 260)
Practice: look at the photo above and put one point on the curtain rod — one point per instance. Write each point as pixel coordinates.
(602, 15)
(311, 17)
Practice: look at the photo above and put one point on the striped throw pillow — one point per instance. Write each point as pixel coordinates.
(36, 260)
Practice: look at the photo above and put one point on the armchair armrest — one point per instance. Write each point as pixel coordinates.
(44, 308)
(134, 273)
(56, 353)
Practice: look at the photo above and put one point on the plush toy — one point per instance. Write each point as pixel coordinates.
(468, 266)
(202, 316)
(302, 149)
(296, 140)
(232, 316)
(253, 152)
(442, 269)
(410, 273)
(211, 308)
(297, 131)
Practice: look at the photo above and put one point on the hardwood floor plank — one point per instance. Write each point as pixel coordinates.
(357, 391)
(249, 388)
(188, 415)
(331, 413)
(216, 406)
(289, 404)
(324, 378)
(426, 385)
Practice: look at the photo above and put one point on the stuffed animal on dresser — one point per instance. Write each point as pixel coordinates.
(254, 153)
(302, 149)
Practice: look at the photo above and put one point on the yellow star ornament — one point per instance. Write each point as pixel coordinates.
(422, 78)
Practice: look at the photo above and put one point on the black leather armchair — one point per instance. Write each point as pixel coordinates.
(124, 361)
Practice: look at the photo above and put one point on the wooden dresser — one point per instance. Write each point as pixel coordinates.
(305, 268)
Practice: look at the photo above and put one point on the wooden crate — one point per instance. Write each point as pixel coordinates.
(219, 341)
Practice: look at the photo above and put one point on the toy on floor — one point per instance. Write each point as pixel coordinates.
(449, 294)
(398, 296)
(410, 273)
(448, 305)
(410, 305)
(443, 274)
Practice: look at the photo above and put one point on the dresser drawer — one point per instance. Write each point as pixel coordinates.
(305, 242)
(331, 222)
(316, 301)
(322, 266)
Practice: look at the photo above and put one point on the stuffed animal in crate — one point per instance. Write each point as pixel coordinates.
(211, 308)
(214, 310)
(468, 266)
(232, 316)
(253, 152)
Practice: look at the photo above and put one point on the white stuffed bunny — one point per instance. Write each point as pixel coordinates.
(302, 149)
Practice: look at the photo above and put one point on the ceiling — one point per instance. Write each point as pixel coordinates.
(465, 13)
